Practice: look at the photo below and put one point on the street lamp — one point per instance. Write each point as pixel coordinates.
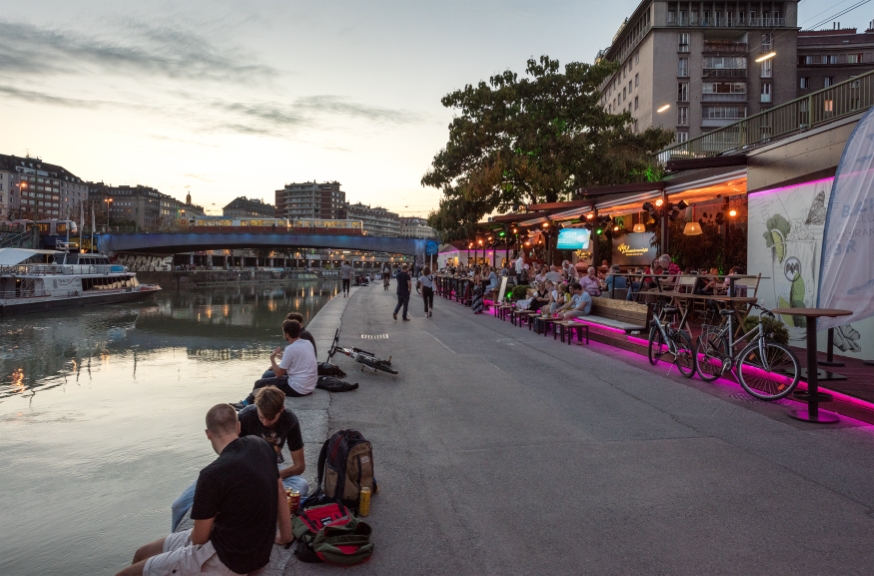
(108, 202)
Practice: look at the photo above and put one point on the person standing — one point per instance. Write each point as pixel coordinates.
(346, 277)
(238, 505)
(405, 287)
(427, 282)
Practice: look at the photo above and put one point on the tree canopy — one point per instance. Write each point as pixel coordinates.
(535, 139)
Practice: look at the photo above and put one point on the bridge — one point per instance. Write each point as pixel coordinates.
(174, 243)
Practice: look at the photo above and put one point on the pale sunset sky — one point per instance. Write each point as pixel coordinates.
(227, 98)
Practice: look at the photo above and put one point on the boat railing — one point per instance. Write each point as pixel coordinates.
(61, 269)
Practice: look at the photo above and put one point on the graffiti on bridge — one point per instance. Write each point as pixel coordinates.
(145, 262)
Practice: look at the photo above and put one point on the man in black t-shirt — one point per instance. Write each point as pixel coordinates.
(405, 287)
(238, 504)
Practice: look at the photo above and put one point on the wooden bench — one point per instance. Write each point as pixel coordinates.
(620, 314)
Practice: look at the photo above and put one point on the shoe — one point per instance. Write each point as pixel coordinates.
(406, 319)
(239, 405)
(395, 315)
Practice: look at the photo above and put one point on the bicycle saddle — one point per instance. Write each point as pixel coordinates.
(726, 312)
(669, 310)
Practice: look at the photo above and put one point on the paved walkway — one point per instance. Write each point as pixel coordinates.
(499, 451)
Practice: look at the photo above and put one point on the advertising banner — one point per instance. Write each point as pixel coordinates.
(847, 270)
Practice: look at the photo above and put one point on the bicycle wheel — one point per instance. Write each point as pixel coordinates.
(770, 378)
(685, 356)
(709, 353)
(656, 344)
(377, 364)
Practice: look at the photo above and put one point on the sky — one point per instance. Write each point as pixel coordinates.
(227, 98)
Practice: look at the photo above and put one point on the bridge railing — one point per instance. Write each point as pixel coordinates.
(817, 108)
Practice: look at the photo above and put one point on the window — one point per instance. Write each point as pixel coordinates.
(804, 82)
(636, 80)
(725, 112)
(766, 92)
(854, 58)
(766, 43)
(767, 71)
(637, 58)
(682, 91)
(823, 59)
(829, 81)
(716, 18)
(725, 63)
(629, 87)
(724, 88)
(671, 16)
(682, 137)
(683, 68)
(684, 42)
(833, 59)
(635, 103)
(623, 94)
(828, 106)
(682, 116)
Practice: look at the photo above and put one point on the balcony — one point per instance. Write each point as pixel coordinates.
(724, 47)
(728, 22)
(713, 73)
(717, 122)
(724, 98)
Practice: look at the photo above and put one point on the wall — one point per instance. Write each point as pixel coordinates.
(146, 262)
(791, 219)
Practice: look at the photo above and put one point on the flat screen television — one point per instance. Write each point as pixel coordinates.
(573, 239)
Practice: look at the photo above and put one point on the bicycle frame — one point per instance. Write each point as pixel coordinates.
(733, 343)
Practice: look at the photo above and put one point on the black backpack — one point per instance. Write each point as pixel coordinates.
(346, 466)
(332, 384)
(328, 369)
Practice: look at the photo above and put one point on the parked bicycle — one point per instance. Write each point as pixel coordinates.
(766, 369)
(363, 357)
(665, 339)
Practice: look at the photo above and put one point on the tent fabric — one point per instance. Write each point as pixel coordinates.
(846, 278)
(15, 256)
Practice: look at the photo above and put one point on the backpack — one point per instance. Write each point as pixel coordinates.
(346, 466)
(328, 369)
(332, 384)
(329, 532)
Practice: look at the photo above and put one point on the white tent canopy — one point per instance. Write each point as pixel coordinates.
(15, 256)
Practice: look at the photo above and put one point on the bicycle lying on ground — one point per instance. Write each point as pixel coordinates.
(767, 370)
(363, 357)
(679, 344)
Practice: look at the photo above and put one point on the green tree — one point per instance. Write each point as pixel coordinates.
(535, 139)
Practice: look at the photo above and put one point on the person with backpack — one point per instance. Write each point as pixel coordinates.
(426, 280)
(405, 287)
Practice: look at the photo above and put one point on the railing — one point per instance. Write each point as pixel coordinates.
(728, 22)
(817, 108)
(712, 73)
(60, 269)
(724, 46)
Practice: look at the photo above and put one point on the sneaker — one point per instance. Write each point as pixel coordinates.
(406, 319)
(239, 405)
(395, 315)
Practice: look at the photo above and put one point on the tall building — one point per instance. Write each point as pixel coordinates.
(376, 221)
(310, 200)
(416, 228)
(33, 189)
(243, 207)
(690, 66)
(143, 207)
(826, 57)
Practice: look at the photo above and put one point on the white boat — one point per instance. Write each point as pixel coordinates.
(35, 280)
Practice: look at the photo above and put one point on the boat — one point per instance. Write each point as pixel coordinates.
(37, 280)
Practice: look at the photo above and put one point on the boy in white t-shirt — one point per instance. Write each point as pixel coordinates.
(297, 372)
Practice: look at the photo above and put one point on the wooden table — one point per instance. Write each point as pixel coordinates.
(811, 414)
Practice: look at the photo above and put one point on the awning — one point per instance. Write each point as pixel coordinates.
(535, 221)
(572, 214)
(15, 256)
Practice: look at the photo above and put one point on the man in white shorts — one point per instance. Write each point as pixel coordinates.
(238, 505)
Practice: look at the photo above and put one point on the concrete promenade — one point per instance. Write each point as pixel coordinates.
(499, 451)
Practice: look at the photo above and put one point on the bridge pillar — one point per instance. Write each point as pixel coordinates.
(209, 260)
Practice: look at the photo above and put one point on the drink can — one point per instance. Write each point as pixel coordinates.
(364, 502)
(293, 499)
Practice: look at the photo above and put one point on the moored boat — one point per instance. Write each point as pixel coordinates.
(35, 280)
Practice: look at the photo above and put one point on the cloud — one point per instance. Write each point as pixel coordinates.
(26, 49)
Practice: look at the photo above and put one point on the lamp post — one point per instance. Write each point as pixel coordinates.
(108, 202)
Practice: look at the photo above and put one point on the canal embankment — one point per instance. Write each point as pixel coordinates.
(191, 279)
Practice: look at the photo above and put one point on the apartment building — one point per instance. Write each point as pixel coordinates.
(243, 207)
(691, 66)
(416, 228)
(827, 57)
(33, 189)
(377, 221)
(146, 208)
(311, 200)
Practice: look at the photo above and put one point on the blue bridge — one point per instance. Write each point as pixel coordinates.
(175, 243)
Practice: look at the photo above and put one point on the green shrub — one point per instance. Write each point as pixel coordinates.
(774, 329)
(519, 292)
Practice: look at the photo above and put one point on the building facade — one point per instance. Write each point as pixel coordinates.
(416, 228)
(310, 200)
(249, 207)
(377, 221)
(37, 190)
(690, 66)
(827, 57)
(142, 207)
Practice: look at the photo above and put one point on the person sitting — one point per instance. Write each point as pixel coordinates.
(297, 372)
(558, 298)
(269, 419)
(614, 281)
(492, 283)
(738, 290)
(304, 334)
(668, 265)
(553, 275)
(540, 297)
(239, 503)
(590, 283)
(579, 305)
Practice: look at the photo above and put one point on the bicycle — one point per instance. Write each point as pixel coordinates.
(679, 344)
(363, 357)
(766, 369)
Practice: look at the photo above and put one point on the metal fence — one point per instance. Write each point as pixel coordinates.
(817, 108)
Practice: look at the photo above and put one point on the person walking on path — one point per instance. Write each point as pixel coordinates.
(238, 505)
(346, 277)
(405, 287)
(427, 282)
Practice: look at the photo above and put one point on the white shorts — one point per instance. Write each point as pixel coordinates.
(182, 558)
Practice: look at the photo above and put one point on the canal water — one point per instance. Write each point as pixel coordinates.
(102, 415)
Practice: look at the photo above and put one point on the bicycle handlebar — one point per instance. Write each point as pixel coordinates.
(763, 309)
